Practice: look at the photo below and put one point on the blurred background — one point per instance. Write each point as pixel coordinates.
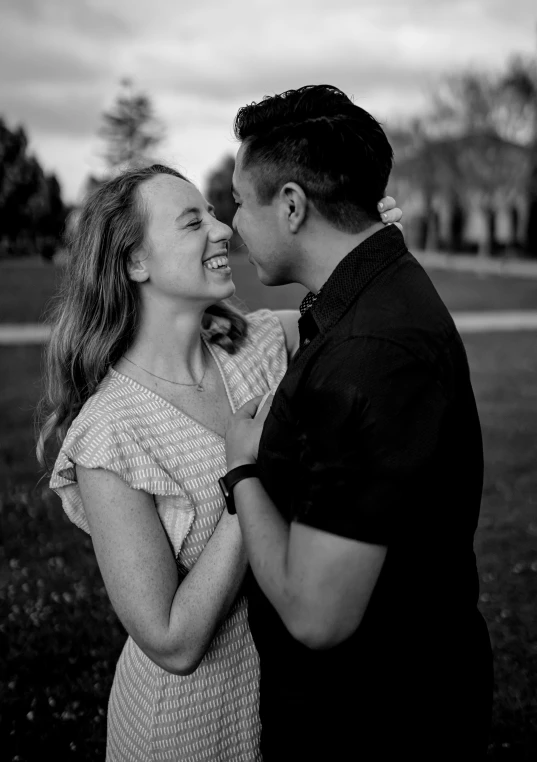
(89, 87)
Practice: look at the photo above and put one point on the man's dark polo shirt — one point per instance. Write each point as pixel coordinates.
(374, 435)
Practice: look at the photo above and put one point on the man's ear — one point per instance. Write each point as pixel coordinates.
(295, 206)
(136, 267)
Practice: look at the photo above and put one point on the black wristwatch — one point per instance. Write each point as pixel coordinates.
(232, 478)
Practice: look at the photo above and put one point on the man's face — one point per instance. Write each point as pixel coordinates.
(262, 228)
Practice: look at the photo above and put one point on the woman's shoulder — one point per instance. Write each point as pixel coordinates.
(264, 353)
(278, 328)
(108, 408)
(265, 334)
(114, 431)
(99, 434)
(264, 324)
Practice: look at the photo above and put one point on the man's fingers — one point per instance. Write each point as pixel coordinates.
(249, 409)
(264, 407)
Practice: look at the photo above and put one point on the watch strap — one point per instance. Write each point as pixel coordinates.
(233, 477)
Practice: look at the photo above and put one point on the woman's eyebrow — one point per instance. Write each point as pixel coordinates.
(186, 212)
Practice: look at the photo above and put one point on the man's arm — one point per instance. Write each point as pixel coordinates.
(319, 583)
(367, 428)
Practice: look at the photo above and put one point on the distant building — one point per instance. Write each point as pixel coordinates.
(462, 194)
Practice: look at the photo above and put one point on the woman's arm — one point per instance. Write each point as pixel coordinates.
(289, 320)
(172, 623)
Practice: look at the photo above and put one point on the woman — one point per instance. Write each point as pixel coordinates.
(146, 364)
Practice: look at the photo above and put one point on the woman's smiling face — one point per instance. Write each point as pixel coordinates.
(185, 248)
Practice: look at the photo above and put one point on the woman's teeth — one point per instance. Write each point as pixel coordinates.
(215, 263)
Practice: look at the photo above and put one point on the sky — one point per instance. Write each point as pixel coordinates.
(61, 62)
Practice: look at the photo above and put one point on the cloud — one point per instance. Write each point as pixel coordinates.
(53, 110)
(56, 61)
(61, 61)
(92, 19)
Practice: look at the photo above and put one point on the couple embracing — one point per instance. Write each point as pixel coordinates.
(296, 574)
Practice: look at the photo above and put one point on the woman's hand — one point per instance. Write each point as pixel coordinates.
(389, 213)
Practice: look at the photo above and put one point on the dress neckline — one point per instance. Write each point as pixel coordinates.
(117, 374)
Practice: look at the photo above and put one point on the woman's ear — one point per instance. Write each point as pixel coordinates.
(136, 267)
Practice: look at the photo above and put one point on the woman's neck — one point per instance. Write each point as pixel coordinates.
(168, 343)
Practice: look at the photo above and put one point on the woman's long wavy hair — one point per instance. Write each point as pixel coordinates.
(97, 313)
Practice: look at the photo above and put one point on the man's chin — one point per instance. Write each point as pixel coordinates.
(265, 278)
(268, 279)
(271, 280)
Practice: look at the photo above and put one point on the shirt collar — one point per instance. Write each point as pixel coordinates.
(362, 265)
(308, 301)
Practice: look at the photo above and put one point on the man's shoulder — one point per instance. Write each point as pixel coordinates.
(359, 362)
(400, 308)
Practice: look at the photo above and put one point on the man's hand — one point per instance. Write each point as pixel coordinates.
(244, 432)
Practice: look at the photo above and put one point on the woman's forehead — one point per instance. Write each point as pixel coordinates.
(167, 191)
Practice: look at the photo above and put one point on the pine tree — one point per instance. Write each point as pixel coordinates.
(130, 129)
(32, 213)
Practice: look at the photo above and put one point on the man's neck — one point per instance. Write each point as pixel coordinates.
(323, 252)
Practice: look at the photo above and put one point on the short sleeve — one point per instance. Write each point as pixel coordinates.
(266, 338)
(373, 414)
(97, 440)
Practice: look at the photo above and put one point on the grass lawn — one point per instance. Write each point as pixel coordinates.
(59, 638)
(26, 288)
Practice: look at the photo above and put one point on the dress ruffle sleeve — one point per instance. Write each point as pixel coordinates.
(267, 339)
(97, 440)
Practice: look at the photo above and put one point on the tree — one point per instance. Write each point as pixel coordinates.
(130, 129)
(220, 196)
(471, 147)
(469, 103)
(496, 106)
(32, 212)
(520, 86)
(53, 223)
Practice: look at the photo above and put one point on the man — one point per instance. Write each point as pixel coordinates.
(360, 512)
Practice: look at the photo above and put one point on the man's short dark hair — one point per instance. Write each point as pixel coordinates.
(318, 138)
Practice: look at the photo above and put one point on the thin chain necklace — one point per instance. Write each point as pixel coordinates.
(197, 384)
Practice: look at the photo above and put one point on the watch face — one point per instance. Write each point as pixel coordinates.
(223, 487)
(230, 503)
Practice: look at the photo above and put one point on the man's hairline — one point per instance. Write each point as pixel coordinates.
(247, 166)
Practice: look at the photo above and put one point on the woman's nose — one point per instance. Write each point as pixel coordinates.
(221, 231)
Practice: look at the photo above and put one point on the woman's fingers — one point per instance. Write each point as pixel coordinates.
(389, 213)
(386, 203)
